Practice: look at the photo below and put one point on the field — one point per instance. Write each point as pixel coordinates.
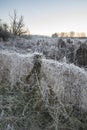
(43, 83)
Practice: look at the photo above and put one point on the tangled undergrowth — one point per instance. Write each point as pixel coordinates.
(25, 106)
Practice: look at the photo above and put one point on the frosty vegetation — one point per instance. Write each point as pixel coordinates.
(43, 83)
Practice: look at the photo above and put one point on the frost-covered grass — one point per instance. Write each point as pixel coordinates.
(37, 94)
(39, 88)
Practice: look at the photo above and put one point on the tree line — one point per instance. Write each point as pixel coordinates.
(69, 34)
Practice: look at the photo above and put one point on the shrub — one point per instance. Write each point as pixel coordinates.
(4, 35)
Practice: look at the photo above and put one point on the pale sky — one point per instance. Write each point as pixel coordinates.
(46, 17)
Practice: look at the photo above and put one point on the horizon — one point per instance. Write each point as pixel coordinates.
(48, 16)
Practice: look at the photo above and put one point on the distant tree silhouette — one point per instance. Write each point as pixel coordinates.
(4, 31)
(5, 27)
(72, 34)
(55, 35)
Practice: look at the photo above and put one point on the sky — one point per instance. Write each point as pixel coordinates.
(46, 17)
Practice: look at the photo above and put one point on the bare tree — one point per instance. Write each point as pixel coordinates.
(17, 24)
